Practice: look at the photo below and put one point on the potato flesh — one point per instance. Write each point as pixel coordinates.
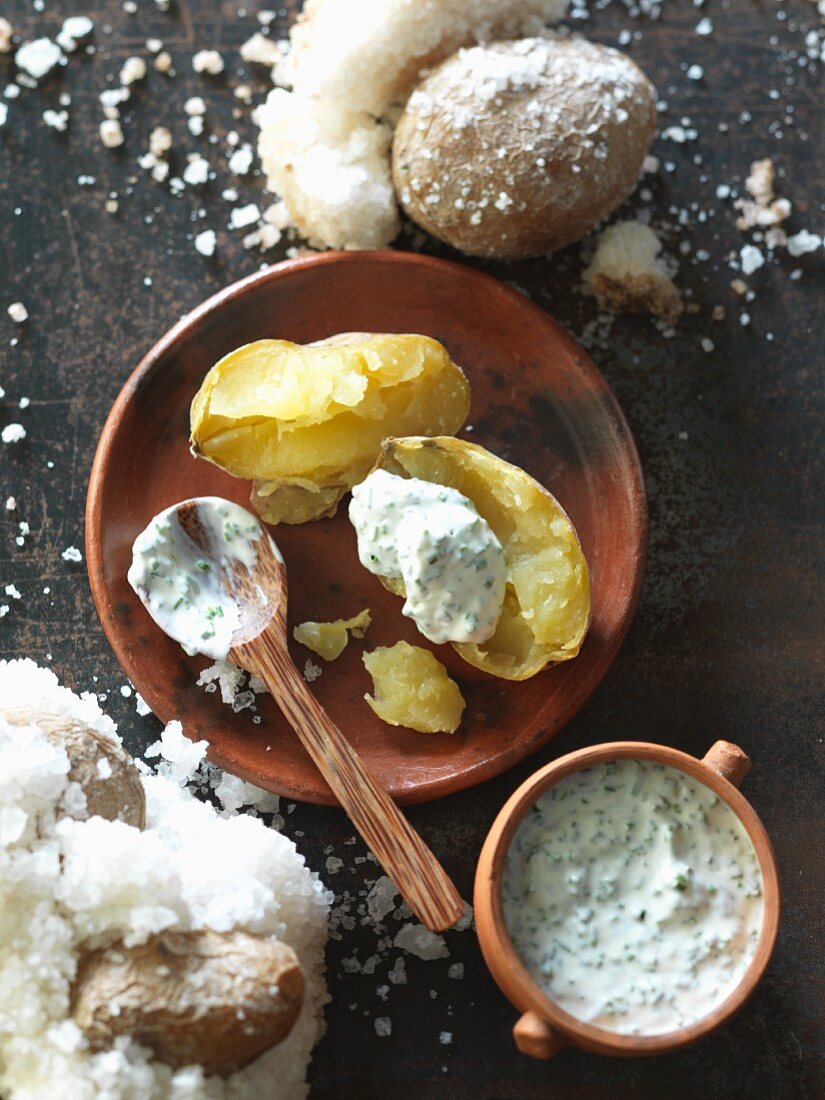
(311, 419)
(412, 689)
(546, 609)
(329, 640)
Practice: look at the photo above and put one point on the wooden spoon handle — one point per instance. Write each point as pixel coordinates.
(402, 853)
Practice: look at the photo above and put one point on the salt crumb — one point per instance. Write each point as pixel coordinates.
(111, 133)
(208, 61)
(417, 940)
(38, 58)
(695, 72)
(5, 36)
(242, 216)
(134, 69)
(194, 106)
(71, 553)
(383, 1026)
(751, 259)
(18, 313)
(445, 1038)
(205, 242)
(803, 242)
(704, 26)
(311, 671)
(56, 120)
(13, 433)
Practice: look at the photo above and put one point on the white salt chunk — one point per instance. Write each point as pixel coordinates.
(383, 1026)
(18, 313)
(75, 29)
(417, 940)
(111, 133)
(205, 242)
(38, 58)
(751, 259)
(134, 69)
(802, 242)
(208, 61)
(13, 433)
(71, 553)
(242, 216)
(381, 898)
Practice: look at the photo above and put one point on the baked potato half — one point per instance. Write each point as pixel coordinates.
(305, 422)
(546, 609)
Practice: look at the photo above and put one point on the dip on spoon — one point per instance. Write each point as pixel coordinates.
(214, 581)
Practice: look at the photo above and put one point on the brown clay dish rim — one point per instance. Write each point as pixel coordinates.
(500, 954)
(306, 786)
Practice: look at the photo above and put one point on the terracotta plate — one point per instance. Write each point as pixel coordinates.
(538, 401)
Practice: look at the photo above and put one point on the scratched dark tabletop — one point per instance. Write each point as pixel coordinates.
(728, 641)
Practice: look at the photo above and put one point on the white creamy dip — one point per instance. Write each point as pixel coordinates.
(431, 536)
(181, 587)
(633, 895)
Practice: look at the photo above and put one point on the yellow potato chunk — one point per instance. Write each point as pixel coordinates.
(306, 422)
(546, 609)
(412, 689)
(329, 640)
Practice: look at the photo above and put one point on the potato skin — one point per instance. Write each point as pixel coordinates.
(522, 165)
(217, 1000)
(118, 796)
(546, 610)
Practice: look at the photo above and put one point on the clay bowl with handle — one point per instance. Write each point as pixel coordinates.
(543, 1027)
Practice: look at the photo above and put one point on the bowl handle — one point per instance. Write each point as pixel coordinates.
(729, 760)
(535, 1037)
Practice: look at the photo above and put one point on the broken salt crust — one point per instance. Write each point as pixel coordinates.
(68, 882)
(627, 274)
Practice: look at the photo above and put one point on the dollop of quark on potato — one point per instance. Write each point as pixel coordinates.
(70, 883)
(325, 144)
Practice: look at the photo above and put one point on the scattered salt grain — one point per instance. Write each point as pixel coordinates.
(333, 865)
(160, 141)
(205, 242)
(13, 433)
(383, 1026)
(242, 216)
(4, 113)
(398, 974)
(75, 29)
(208, 61)
(111, 133)
(5, 36)
(695, 72)
(311, 671)
(445, 1038)
(241, 160)
(751, 259)
(134, 69)
(803, 242)
(71, 553)
(141, 706)
(56, 120)
(12, 591)
(381, 898)
(260, 50)
(417, 940)
(18, 313)
(456, 972)
(38, 58)
(196, 172)
(704, 26)
(194, 106)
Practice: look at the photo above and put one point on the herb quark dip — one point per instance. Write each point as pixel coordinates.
(634, 897)
(452, 564)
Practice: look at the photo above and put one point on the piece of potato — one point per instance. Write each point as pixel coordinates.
(412, 688)
(103, 768)
(546, 609)
(306, 422)
(329, 640)
(216, 1000)
(519, 148)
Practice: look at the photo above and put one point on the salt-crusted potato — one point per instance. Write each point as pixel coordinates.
(412, 688)
(218, 1000)
(546, 609)
(519, 148)
(306, 422)
(100, 765)
(329, 640)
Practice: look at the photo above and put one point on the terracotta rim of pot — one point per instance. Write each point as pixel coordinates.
(544, 1028)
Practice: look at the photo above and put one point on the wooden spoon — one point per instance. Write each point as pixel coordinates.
(259, 645)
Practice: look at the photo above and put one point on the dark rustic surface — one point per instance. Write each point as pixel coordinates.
(728, 640)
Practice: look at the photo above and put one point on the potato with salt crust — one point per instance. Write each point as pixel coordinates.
(217, 1000)
(546, 609)
(519, 148)
(305, 422)
(104, 770)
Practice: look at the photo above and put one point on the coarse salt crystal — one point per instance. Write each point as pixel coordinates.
(695, 72)
(383, 1026)
(242, 216)
(13, 433)
(111, 133)
(241, 161)
(71, 553)
(56, 120)
(704, 26)
(260, 50)
(10, 590)
(417, 940)
(751, 259)
(18, 313)
(803, 242)
(194, 106)
(134, 69)
(5, 35)
(205, 242)
(75, 30)
(208, 61)
(196, 171)
(39, 57)
(4, 113)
